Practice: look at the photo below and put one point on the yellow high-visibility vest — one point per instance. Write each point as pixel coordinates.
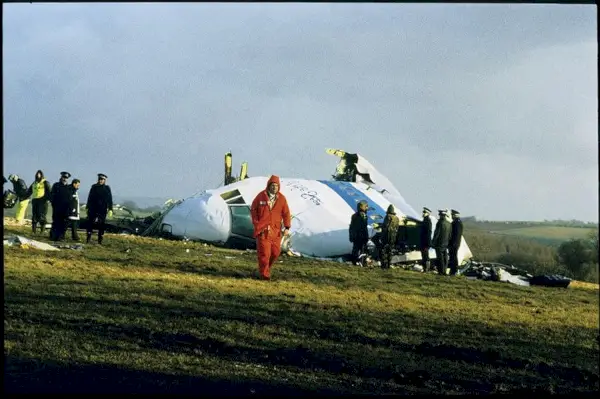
(38, 189)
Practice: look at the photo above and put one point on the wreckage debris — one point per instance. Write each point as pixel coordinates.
(26, 243)
(507, 273)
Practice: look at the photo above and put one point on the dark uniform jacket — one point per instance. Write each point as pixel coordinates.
(389, 230)
(99, 199)
(441, 236)
(456, 235)
(74, 203)
(358, 227)
(60, 197)
(20, 188)
(425, 233)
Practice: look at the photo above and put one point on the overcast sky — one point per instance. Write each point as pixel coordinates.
(490, 109)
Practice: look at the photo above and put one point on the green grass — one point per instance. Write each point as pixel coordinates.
(159, 319)
(544, 234)
(554, 233)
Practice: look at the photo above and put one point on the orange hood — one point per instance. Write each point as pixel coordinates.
(273, 179)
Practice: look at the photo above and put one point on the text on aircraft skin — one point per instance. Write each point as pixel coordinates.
(307, 194)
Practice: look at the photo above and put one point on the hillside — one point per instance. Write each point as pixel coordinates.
(145, 315)
(546, 233)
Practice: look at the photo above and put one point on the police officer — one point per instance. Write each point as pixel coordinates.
(358, 231)
(455, 239)
(389, 233)
(99, 205)
(74, 209)
(60, 199)
(425, 239)
(441, 237)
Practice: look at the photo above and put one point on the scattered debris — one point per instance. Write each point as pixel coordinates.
(25, 243)
(508, 273)
(553, 280)
(77, 247)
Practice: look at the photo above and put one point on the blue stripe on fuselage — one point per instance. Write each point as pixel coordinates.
(353, 196)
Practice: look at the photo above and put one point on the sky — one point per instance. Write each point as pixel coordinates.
(489, 109)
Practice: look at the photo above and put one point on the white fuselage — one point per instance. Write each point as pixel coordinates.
(321, 212)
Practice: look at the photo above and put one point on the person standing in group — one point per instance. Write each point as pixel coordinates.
(389, 234)
(455, 240)
(74, 209)
(60, 199)
(269, 208)
(425, 239)
(99, 205)
(358, 231)
(40, 195)
(441, 237)
(23, 195)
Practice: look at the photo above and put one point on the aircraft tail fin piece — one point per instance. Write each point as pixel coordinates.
(228, 178)
(337, 153)
(243, 171)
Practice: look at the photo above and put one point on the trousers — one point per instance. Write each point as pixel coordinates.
(425, 259)
(21, 209)
(268, 249)
(442, 259)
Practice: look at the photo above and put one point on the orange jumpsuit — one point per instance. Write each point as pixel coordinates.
(267, 227)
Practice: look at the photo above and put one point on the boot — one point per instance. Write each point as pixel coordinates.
(88, 238)
(33, 226)
(99, 239)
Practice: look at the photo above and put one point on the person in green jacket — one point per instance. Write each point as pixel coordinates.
(40, 195)
(389, 233)
(441, 238)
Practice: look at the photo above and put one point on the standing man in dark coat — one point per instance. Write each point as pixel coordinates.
(99, 205)
(425, 239)
(441, 237)
(74, 209)
(455, 239)
(389, 234)
(60, 199)
(359, 233)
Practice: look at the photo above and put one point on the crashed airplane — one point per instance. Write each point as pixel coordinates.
(321, 211)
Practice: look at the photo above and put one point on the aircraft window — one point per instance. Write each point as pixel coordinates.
(241, 221)
(238, 200)
(230, 194)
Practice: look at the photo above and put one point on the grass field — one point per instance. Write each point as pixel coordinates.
(552, 235)
(143, 315)
(556, 233)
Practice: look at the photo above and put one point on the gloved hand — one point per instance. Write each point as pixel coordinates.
(110, 214)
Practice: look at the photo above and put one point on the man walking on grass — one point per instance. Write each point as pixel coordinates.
(99, 205)
(268, 210)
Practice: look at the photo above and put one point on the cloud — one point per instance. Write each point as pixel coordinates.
(155, 94)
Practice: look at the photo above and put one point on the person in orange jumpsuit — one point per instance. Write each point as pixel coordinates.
(268, 210)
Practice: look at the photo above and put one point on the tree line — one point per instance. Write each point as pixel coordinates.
(575, 258)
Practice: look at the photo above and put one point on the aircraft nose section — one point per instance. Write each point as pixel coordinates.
(204, 218)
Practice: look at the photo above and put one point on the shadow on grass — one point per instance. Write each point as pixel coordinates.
(34, 376)
(306, 320)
